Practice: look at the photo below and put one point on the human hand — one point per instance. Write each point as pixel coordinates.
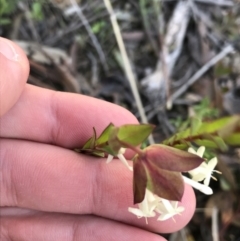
(49, 192)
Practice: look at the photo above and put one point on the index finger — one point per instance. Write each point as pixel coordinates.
(14, 69)
(62, 119)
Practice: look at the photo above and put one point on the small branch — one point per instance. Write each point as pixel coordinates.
(147, 26)
(227, 50)
(189, 139)
(176, 31)
(173, 42)
(30, 22)
(133, 148)
(127, 65)
(222, 3)
(91, 35)
(215, 229)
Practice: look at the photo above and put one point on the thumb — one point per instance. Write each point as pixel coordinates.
(14, 70)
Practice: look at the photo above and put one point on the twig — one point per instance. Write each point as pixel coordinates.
(127, 65)
(215, 229)
(222, 3)
(94, 70)
(183, 234)
(176, 30)
(227, 50)
(179, 236)
(147, 26)
(30, 22)
(73, 28)
(171, 45)
(91, 35)
(174, 40)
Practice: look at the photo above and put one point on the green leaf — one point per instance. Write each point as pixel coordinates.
(134, 134)
(96, 28)
(171, 140)
(92, 152)
(223, 132)
(230, 127)
(195, 125)
(128, 135)
(5, 21)
(8, 6)
(217, 140)
(220, 143)
(221, 70)
(113, 141)
(182, 146)
(108, 150)
(214, 126)
(206, 143)
(90, 144)
(98, 153)
(233, 140)
(37, 12)
(103, 138)
(203, 110)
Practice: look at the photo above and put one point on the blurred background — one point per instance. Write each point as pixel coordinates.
(164, 60)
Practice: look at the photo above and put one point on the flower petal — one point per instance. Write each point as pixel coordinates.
(191, 150)
(124, 161)
(136, 212)
(212, 163)
(203, 188)
(207, 180)
(201, 151)
(109, 158)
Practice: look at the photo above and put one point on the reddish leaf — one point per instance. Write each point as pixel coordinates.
(159, 170)
(171, 159)
(165, 184)
(139, 181)
(148, 174)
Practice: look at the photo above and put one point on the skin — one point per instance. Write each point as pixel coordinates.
(49, 192)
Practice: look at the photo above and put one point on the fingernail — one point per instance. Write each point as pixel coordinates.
(7, 49)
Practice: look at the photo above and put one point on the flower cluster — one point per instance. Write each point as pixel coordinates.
(202, 173)
(153, 205)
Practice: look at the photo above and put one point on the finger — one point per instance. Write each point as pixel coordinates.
(62, 119)
(57, 227)
(50, 178)
(14, 69)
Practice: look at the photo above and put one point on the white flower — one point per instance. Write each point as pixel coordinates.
(147, 206)
(121, 158)
(152, 204)
(168, 209)
(205, 170)
(200, 151)
(201, 187)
